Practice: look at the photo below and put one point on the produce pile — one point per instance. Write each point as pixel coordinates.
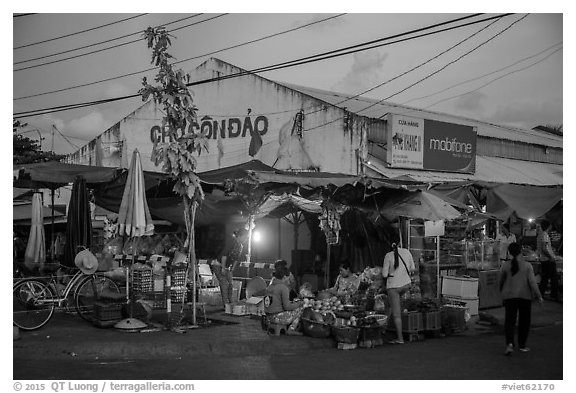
(322, 306)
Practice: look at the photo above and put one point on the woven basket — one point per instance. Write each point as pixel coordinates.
(346, 334)
(315, 329)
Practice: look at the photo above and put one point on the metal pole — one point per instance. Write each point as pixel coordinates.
(279, 238)
(438, 283)
(52, 235)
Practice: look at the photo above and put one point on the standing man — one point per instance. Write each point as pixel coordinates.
(547, 262)
(504, 239)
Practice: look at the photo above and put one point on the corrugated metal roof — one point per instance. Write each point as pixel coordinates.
(488, 169)
(376, 109)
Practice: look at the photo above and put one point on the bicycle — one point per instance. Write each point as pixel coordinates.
(35, 298)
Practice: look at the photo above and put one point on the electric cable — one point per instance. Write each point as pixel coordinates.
(429, 75)
(110, 47)
(181, 61)
(309, 59)
(482, 76)
(80, 32)
(102, 42)
(415, 67)
(457, 59)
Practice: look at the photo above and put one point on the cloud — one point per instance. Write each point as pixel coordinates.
(528, 113)
(471, 102)
(117, 90)
(87, 127)
(364, 74)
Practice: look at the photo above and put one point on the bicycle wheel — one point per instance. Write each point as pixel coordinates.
(33, 304)
(89, 291)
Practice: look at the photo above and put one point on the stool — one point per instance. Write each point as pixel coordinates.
(277, 328)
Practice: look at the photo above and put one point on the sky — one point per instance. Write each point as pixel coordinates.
(514, 79)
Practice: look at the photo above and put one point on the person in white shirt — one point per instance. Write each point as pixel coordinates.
(397, 269)
(504, 239)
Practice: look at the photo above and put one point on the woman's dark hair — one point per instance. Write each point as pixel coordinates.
(545, 224)
(514, 249)
(396, 259)
(345, 264)
(280, 263)
(279, 272)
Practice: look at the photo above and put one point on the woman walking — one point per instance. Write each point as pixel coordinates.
(518, 287)
(397, 271)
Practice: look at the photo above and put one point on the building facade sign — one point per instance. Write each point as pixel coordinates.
(415, 143)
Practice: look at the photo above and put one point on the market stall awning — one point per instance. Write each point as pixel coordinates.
(418, 204)
(53, 174)
(488, 169)
(273, 202)
(526, 201)
(219, 176)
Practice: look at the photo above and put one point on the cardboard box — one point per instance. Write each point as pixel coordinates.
(255, 305)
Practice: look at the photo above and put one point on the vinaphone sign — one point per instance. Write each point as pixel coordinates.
(415, 143)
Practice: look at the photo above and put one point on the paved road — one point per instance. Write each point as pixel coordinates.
(451, 358)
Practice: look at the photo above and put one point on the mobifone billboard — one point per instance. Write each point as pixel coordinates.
(415, 143)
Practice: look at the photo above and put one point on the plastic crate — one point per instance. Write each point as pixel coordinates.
(178, 278)
(142, 280)
(470, 303)
(177, 294)
(107, 311)
(432, 320)
(453, 317)
(412, 322)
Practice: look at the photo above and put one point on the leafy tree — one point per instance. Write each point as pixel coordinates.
(177, 157)
(26, 150)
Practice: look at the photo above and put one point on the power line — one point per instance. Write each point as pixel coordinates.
(80, 32)
(495, 79)
(292, 63)
(181, 61)
(110, 47)
(426, 77)
(66, 138)
(418, 66)
(102, 42)
(482, 76)
(455, 60)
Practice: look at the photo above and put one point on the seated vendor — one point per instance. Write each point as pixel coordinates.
(288, 279)
(278, 307)
(347, 283)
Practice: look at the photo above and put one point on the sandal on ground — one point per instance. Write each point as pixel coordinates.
(395, 342)
(524, 349)
(509, 350)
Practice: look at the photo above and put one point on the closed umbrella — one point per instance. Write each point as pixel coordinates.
(79, 222)
(35, 255)
(134, 221)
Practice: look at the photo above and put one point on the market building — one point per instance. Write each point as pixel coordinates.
(360, 169)
(297, 128)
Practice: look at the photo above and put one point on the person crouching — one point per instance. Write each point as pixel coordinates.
(278, 307)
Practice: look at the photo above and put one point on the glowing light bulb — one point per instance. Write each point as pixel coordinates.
(256, 236)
